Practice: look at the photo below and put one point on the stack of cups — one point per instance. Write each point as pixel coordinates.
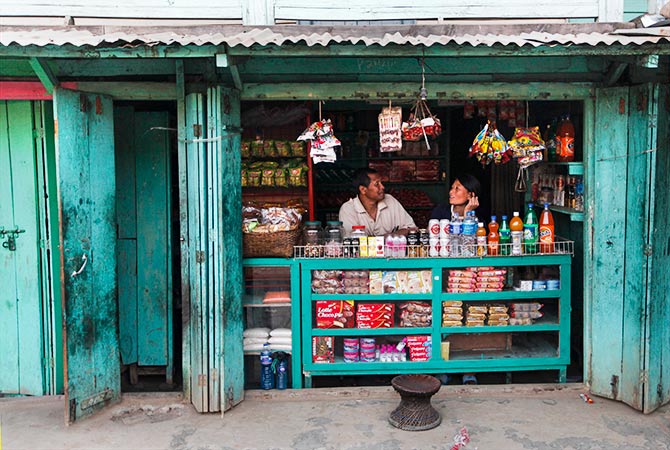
(445, 246)
(434, 231)
(351, 350)
(368, 348)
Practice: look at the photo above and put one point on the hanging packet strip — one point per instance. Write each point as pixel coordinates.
(490, 146)
(527, 146)
(323, 142)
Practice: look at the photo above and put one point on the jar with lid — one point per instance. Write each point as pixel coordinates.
(333, 237)
(313, 239)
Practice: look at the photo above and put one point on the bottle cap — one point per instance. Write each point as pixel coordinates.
(516, 213)
(480, 224)
(546, 206)
(504, 217)
(493, 218)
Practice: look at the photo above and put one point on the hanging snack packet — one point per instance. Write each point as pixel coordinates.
(527, 146)
(390, 134)
(490, 146)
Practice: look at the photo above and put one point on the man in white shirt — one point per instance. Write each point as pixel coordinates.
(379, 212)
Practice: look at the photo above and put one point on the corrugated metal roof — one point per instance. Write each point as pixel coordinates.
(518, 35)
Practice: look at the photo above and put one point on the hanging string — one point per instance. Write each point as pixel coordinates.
(320, 116)
(527, 111)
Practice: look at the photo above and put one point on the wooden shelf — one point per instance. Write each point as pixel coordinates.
(575, 216)
(573, 168)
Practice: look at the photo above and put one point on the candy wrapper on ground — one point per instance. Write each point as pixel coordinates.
(461, 439)
(527, 146)
(323, 141)
(490, 146)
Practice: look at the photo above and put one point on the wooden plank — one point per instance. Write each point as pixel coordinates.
(231, 214)
(399, 91)
(657, 354)
(636, 236)
(127, 298)
(126, 210)
(9, 332)
(198, 355)
(25, 208)
(589, 212)
(85, 151)
(425, 9)
(153, 210)
(183, 230)
(44, 73)
(139, 90)
(609, 246)
(155, 9)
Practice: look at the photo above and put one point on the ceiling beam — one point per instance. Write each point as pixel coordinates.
(44, 73)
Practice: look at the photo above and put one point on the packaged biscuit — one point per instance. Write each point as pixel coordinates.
(376, 286)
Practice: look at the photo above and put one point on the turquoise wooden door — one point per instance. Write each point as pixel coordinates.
(85, 158)
(143, 239)
(212, 159)
(21, 325)
(620, 359)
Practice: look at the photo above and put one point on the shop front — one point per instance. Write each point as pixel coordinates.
(224, 96)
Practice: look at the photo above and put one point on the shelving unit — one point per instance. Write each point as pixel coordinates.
(541, 346)
(568, 169)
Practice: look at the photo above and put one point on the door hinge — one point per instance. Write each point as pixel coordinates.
(38, 133)
(199, 256)
(202, 380)
(197, 130)
(648, 250)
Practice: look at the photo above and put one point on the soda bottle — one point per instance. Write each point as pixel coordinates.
(481, 239)
(550, 141)
(530, 231)
(566, 140)
(493, 237)
(546, 230)
(516, 231)
(505, 237)
(267, 377)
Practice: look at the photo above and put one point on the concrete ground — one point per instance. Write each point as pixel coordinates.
(509, 417)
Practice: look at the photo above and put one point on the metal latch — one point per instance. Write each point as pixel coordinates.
(10, 235)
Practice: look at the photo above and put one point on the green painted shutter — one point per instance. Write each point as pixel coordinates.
(619, 357)
(85, 159)
(214, 249)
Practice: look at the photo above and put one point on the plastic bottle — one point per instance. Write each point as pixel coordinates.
(280, 367)
(505, 237)
(531, 232)
(468, 238)
(550, 141)
(566, 140)
(481, 239)
(546, 230)
(401, 246)
(516, 232)
(267, 377)
(493, 237)
(455, 229)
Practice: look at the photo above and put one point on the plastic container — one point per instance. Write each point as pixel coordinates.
(516, 232)
(546, 230)
(493, 237)
(531, 232)
(267, 377)
(333, 239)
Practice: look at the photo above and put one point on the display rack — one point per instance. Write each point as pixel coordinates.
(540, 346)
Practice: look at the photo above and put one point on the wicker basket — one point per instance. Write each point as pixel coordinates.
(278, 244)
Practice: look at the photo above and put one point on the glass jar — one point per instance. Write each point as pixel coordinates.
(313, 239)
(333, 237)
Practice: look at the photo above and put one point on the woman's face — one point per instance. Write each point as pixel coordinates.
(458, 194)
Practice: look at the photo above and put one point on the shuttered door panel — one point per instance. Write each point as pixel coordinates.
(85, 158)
(657, 388)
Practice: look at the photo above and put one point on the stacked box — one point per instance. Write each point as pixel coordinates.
(356, 281)
(374, 315)
(416, 314)
(420, 348)
(452, 313)
(335, 314)
(322, 349)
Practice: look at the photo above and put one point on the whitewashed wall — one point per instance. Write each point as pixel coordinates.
(259, 12)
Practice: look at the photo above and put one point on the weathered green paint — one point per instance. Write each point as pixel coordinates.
(85, 149)
(196, 242)
(609, 248)
(408, 91)
(657, 336)
(143, 210)
(21, 318)
(230, 216)
(49, 249)
(44, 73)
(301, 50)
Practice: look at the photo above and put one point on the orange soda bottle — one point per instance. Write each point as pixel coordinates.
(481, 239)
(546, 230)
(516, 228)
(494, 237)
(565, 137)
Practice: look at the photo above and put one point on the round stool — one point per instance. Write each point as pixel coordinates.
(415, 413)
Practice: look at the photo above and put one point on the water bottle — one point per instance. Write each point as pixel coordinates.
(468, 238)
(455, 229)
(280, 367)
(267, 377)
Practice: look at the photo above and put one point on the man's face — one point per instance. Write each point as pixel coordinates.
(375, 190)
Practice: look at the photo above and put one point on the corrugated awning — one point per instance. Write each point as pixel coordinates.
(423, 35)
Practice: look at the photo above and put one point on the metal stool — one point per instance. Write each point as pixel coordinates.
(415, 413)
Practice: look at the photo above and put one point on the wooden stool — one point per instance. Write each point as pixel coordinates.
(415, 413)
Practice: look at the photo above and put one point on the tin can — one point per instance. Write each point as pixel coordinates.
(434, 248)
(434, 228)
(444, 247)
(346, 244)
(444, 228)
(354, 250)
